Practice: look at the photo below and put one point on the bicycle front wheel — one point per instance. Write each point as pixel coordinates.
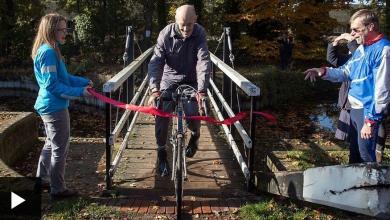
(179, 177)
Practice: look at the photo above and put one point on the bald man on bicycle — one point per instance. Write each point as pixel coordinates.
(180, 57)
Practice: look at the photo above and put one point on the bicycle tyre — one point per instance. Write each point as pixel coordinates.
(179, 177)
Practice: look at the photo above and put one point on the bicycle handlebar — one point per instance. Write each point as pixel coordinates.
(187, 92)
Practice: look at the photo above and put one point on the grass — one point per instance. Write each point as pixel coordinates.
(301, 160)
(270, 208)
(81, 208)
(67, 209)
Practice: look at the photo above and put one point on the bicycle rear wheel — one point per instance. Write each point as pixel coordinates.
(179, 177)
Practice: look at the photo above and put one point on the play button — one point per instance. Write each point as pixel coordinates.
(16, 200)
(19, 198)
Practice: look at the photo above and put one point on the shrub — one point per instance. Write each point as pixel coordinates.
(282, 89)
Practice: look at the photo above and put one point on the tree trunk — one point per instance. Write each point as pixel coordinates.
(232, 7)
(148, 15)
(198, 4)
(10, 16)
(161, 14)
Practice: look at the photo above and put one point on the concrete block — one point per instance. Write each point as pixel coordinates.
(360, 188)
(283, 183)
(17, 135)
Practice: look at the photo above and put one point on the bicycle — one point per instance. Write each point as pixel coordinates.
(182, 94)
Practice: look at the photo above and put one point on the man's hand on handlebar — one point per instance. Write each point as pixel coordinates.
(201, 97)
(154, 96)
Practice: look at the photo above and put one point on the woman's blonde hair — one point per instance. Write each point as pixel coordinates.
(46, 33)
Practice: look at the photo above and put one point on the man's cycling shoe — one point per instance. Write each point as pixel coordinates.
(163, 168)
(192, 146)
(163, 165)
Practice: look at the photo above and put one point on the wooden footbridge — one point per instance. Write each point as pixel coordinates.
(221, 175)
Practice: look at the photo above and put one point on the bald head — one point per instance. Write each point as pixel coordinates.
(185, 18)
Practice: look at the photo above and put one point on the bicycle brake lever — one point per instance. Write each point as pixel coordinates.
(204, 105)
(157, 102)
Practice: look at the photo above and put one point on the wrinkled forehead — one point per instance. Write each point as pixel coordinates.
(185, 19)
(357, 22)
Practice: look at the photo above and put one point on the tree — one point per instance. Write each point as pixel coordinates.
(161, 13)
(148, 15)
(268, 20)
(198, 5)
(101, 24)
(18, 20)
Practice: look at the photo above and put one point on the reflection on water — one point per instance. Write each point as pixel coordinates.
(325, 116)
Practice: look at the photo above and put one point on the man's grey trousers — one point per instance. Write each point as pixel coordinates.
(162, 124)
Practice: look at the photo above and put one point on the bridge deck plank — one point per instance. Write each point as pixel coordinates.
(214, 176)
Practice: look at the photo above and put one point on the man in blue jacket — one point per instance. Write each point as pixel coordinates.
(368, 72)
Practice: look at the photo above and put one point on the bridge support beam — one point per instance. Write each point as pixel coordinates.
(251, 154)
(108, 142)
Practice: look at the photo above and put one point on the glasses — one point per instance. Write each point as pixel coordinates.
(64, 30)
(359, 30)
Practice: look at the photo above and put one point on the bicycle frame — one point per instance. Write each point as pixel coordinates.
(179, 133)
(181, 95)
(178, 141)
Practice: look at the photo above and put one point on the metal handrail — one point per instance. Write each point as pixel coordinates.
(232, 142)
(244, 135)
(118, 128)
(114, 83)
(247, 86)
(228, 89)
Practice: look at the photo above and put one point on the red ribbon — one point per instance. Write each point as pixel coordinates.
(154, 111)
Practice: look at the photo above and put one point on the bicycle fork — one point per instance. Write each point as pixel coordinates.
(179, 151)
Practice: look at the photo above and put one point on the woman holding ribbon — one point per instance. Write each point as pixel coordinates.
(56, 88)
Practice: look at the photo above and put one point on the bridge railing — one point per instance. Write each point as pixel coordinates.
(129, 86)
(223, 109)
(119, 127)
(234, 93)
(225, 105)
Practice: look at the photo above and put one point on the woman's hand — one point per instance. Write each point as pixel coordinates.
(86, 93)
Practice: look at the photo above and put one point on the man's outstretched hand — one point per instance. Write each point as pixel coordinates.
(313, 73)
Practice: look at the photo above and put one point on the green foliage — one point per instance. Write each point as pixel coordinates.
(18, 20)
(302, 160)
(100, 25)
(80, 208)
(270, 21)
(67, 209)
(280, 88)
(271, 209)
(213, 17)
(81, 66)
(84, 28)
(210, 13)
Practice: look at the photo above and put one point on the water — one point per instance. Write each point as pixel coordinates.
(325, 116)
